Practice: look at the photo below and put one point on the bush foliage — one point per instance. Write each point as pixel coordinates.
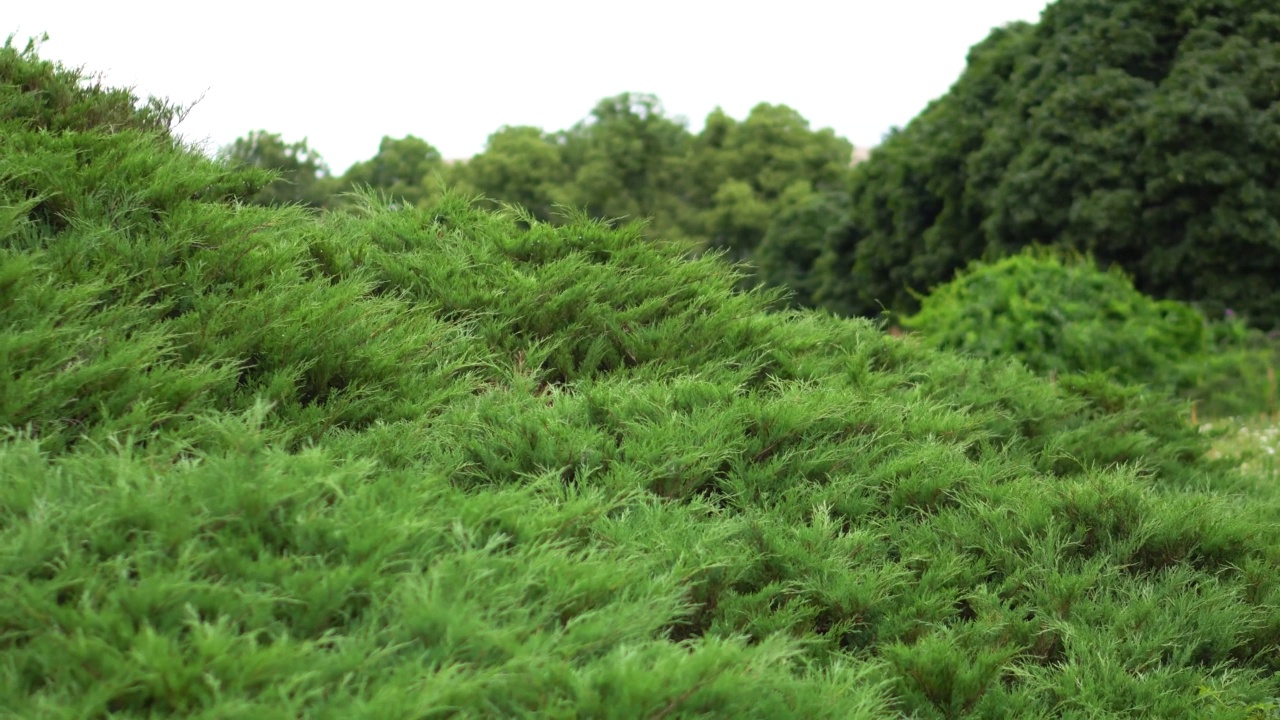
(1146, 133)
(266, 462)
(1059, 313)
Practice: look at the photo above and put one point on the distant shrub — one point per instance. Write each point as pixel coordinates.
(1060, 313)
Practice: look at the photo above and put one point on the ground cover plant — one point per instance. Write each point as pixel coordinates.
(445, 462)
(1058, 312)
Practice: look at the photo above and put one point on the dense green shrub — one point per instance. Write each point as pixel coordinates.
(1146, 133)
(1060, 313)
(441, 462)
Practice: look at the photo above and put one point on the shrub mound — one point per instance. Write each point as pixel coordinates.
(262, 462)
(1059, 313)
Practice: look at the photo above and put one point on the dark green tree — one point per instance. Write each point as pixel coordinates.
(1146, 133)
(302, 175)
(800, 227)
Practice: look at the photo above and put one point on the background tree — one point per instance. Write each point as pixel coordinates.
(303, 175)
(521, 165)
(746, 168)
(625, 160)
(801, 225)
(735, 186)
(1146, 133)
(404, 169)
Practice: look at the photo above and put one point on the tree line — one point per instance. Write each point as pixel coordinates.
(736, 186)
(1144, 133)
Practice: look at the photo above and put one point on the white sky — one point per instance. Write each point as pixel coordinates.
(453, 72)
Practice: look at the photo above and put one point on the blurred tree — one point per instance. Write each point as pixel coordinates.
(799, 229)
(624, 161)
(742, 176)
(743, 171)
(303, 175)
(731, 187)
(520, 165)
(404, 169)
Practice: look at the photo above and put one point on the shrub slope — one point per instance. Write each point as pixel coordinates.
(260, 462)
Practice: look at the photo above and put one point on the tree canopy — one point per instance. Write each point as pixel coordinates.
(1146, 133)
(520, 165)
(742, 174)
(623, 160)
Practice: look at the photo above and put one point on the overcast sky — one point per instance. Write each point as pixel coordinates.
(453, 72)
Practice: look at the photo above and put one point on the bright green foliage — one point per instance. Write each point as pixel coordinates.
(36, 98)
(303, 177)
(1146, 133)
(1061, 314)
(406, 170)
(442, 462)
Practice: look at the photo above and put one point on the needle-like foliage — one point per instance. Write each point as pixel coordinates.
(450, 463)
